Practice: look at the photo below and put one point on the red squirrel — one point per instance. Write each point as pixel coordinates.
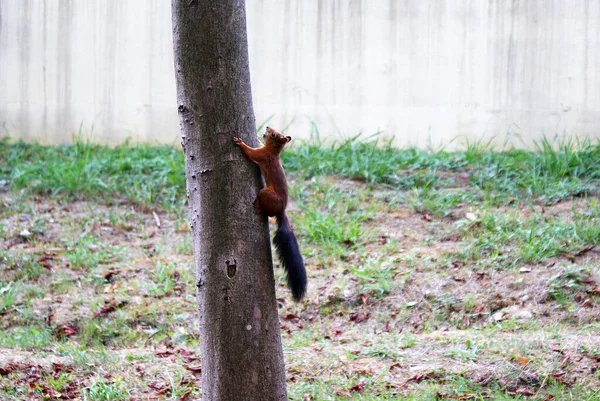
(272, 201)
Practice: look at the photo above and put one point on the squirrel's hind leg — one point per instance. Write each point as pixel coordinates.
(268, 202)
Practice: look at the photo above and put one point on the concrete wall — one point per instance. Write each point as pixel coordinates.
(425, 71)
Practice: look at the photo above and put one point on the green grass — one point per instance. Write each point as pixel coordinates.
(140, 174)
(514, 240)
(152, 176)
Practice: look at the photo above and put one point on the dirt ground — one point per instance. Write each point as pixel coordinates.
(98, 303)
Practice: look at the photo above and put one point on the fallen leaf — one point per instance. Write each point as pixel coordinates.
(110, 288)
(464, 396)
(525, 391)
(337, 331)
(359, 317)
(564, 362)
(187, 355)
(521, 359)
(109, 306)
(417, 377)
(585, 250)
(479, 308)
(163, 353)
(386, 327)
(67, 330)
(110, 273)
(183, 227)
(193, 368)
(357, 387)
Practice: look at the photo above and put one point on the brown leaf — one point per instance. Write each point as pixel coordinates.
(108, 275)
(386, 327)
(193, 368)
(48, 318)
(585, 250)
(359, 317)
(183, 227)
(364, 299)
(348, 242)
(67, 330)
(479, 308)
(464, 396)
(564, 362)
(112, 287)
(109, 306)
(187, 355)
(337, 331)
(157, 385)
(395, 365)
(45, 261)
(162, 391)
(525, 391)
(186, 381)
(163, 353)
(6, 370)
(357, 387)
(185, 395)
(417, 377)
(57, 368)
(521, 359)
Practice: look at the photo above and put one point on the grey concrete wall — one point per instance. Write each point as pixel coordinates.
(425, 71)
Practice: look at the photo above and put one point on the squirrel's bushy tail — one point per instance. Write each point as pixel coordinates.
(290, 257)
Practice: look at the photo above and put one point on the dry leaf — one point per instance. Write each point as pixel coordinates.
(521, 359)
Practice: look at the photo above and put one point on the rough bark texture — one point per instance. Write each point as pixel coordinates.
(242, 357)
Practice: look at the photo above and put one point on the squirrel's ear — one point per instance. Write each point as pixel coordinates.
(289, 138)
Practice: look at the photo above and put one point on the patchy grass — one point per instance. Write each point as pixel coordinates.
(433, 275)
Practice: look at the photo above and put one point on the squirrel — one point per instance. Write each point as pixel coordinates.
(272, 201)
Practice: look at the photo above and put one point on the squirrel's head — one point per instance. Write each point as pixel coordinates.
(272, 137)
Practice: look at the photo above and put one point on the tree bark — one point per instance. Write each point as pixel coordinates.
(240, 343)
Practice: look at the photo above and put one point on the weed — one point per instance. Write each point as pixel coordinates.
(570, 281)
(375, 276)
(103, 390)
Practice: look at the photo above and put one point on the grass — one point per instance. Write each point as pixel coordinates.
(470, 274)
(141, 174)
(152, 176)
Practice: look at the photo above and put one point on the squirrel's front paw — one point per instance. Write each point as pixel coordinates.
(237, 140)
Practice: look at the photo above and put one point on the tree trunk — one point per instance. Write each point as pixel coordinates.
(241, 353)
